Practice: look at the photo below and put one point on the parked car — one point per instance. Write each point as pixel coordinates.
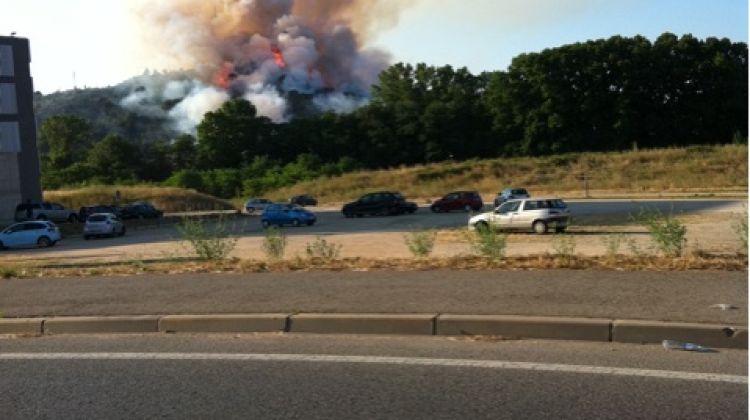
(537, 214)
(257, 204)
(86, 211)
(287, 214)
(379, 203)
(303, 200)
(103, 224)
(45, 211)
(510, 194)
(140, 210)
(40, 233)
(459, 200)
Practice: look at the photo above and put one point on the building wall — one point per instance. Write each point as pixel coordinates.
(19, 158)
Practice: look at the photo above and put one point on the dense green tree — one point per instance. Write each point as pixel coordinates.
(64, 140)
(232, 135)
(114, 159)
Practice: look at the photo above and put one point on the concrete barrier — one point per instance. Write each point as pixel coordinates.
(710, 335)
(102, 324)
(414, 324)
(224, 323)
(559, 328)
(21, 326)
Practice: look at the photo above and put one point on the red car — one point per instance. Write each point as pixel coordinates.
(459, 200)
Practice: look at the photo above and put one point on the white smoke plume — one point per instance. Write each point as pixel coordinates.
(261, 50)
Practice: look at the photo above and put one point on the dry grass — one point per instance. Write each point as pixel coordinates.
(690, 171)
(700, 261)
(169, 199)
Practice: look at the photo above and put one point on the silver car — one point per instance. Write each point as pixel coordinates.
(510, 194)
(537, 214)
(103, 224)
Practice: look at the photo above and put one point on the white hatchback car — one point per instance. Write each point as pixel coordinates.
(103, 224)
(41, 234)
(536, 214)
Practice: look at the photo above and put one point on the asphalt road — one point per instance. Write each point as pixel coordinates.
(332, 222)
(685, 296)
(315, 377)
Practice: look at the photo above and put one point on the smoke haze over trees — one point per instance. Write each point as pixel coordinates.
(611, 94)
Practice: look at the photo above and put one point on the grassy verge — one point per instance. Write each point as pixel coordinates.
(169, 199)
(533, 262)
(702, 171)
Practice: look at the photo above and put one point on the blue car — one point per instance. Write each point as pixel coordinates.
(286, 214)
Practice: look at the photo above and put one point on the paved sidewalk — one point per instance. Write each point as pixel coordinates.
(659, 296)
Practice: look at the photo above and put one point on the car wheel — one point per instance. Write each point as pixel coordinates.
(72, 218)
(265, 223)
(310, 223)
(560, 229)
(435, 209)
(540, 227)
(44, 242)
(295, 222)
(482, 227)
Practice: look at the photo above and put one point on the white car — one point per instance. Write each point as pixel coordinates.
(103, 224)
(257, 205)
(537, 214)
(40, 234)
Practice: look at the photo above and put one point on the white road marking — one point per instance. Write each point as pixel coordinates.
(406, 361)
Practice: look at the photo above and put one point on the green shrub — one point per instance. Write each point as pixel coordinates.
(274, 243)
(612, 243)
(323, 249)
(488, 243)
(668, 233)
(740, 228)
(420, 243)
(564, 246)
(209, 243)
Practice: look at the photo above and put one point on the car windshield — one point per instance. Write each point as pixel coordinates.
(97, 218)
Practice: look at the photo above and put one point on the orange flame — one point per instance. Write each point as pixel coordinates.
(223, 78)
(278, 57)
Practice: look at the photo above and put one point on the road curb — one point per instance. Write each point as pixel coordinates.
(711, 335)
(101, 324)
(411, 324)
(21, 326)
(552, 328)
(224, 323)
(557, 328)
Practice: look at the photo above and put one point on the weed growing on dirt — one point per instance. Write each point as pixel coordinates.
(420, 243)
(612, 244)
(740, 228)
(488, 243)
(8, 272)
(564, 247)
(274, 243)
(209, 243)
(323, 249)
(668, 233)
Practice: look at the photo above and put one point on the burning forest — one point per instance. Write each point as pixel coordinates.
(266, 51)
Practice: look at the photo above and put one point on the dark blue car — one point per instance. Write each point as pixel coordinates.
(287, 214)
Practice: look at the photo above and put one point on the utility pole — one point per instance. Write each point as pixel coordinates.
(584, 177)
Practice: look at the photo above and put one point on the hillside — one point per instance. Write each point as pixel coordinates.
(691, 171)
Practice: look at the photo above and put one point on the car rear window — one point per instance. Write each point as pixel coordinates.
(97, 218)
(519, 191)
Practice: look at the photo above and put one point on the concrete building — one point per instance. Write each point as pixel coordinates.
(19, 158)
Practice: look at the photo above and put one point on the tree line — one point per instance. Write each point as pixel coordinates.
(610, 94)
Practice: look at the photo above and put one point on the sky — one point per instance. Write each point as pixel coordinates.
(94, 39)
